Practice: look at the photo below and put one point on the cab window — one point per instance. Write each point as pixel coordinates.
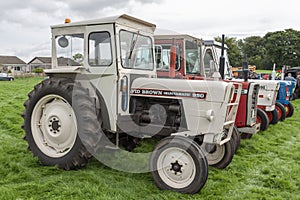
(136, 51)
(99, 51)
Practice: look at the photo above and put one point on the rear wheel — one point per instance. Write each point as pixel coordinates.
(178, 163)
(52, 121)
(263, 119)
(273, 116)
(281, 111)
(289, 108)
(219, 156)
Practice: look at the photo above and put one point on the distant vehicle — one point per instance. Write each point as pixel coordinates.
(6, 77)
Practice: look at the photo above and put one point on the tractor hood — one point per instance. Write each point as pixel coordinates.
(268, 85)
(211, 91)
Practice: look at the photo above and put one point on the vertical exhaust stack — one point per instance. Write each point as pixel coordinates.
(222, 58)
(245, 69)
(172, 61)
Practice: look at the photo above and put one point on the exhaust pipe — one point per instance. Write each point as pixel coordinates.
(172, 61)
(245, 69)
(222, 58)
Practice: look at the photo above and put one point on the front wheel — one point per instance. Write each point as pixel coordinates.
(236, 138)
(273, 116)
(178, 164)
(263, 119)
(281, 111)
(289, 108)
(219, 156)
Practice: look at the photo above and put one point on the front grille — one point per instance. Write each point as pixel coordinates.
(252, 103)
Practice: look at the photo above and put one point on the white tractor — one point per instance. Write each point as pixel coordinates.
(103, 97)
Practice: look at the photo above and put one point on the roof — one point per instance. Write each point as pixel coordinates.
(61, 61)
(175, 36)
(107, 20)
(11, 60)
(42, 59)
(214, 43)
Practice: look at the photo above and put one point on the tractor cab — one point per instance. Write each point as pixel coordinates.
(188, 55)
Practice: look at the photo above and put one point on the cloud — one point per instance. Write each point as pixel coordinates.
(27, 25)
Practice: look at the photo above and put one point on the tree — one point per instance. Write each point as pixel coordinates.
(78, 57)
(282, 48)
(234, 51)
(255, 50)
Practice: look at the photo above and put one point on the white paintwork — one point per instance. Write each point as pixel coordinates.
(203, 116)
(267, 93)
(48, 110)
(188, 170)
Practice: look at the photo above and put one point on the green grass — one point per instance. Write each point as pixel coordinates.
(267, 166)
(258, 71)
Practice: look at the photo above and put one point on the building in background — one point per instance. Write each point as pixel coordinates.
(12, 64)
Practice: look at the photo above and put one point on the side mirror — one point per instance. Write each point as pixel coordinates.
(63, 42)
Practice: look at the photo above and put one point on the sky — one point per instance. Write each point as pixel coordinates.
(25, 26)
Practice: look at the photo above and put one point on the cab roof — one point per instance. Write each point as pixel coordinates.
(119, 19)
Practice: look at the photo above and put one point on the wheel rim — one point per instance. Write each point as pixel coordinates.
(176, 167)
(279, 112)
(54, 126)
(214, 152)
(287, 110)
(270, 116)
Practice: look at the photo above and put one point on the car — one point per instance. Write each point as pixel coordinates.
(6, 77)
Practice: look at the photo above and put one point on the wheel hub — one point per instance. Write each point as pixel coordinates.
(54, 125)
(176, 167)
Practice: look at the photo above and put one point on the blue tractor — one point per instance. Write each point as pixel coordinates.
(283, 105)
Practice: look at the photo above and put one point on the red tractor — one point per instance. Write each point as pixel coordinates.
(193, 61)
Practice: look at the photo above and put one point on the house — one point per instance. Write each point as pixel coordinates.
(12, 64)
(46, 63)
(39, 62)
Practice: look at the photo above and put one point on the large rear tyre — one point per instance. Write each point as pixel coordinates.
(289, 108)
(178, 164)
(263, 119)
(219, 156)
(281, 111)
(273, 116)
(52, 122)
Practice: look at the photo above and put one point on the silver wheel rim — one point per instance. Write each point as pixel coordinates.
(216, 155)
(176, 167)
(54, 126)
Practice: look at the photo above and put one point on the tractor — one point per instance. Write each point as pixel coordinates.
(108, 100)
(199, 66)
(283, 105)
(267, 93)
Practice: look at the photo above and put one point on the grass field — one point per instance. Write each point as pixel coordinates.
(262, 71)
(267, 166)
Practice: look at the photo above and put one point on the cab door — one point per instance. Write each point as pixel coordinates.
(100, 54)
(135, 56)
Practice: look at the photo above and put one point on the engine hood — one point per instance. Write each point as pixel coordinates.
(213, 91)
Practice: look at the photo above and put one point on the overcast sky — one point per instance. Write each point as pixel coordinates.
(25, 25)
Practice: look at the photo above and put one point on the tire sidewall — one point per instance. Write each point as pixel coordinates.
(194, 151)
